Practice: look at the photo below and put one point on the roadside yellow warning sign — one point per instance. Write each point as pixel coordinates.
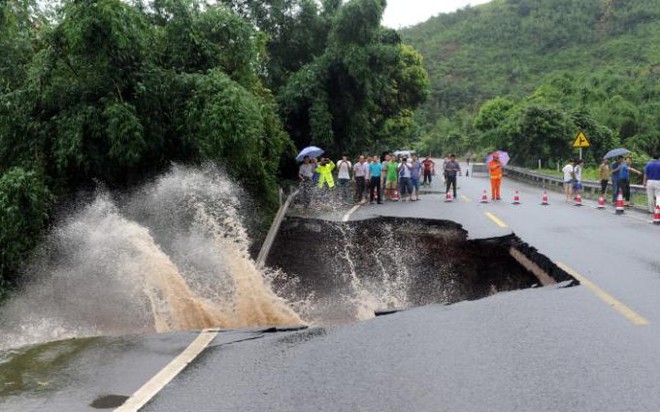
(581, 140)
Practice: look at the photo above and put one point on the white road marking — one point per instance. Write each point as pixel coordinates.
(169, 372)
(348, 214)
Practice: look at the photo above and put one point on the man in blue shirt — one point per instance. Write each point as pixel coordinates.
(652, 182)
(624, 178)
(375, 169)
(615, 177)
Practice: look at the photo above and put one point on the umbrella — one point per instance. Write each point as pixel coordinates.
(311, 151)
(616, 152)
(504, 157)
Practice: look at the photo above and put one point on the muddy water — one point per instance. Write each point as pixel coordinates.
(172, 256)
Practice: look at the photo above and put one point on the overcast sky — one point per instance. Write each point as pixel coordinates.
(402, 13)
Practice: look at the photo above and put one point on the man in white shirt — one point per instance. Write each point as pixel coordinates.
(344, 178)
(569, 178)
(360, 174)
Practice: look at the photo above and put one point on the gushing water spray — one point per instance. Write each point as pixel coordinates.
(173, 256)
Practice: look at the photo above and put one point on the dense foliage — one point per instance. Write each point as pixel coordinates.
(526, 75)
(343, 81)
(114, 91)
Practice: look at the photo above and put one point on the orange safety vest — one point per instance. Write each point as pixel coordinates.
(495, 171)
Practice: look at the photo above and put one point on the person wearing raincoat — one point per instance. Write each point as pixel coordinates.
(326, 181)
(495, 168)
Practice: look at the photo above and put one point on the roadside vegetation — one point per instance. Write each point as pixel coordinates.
(113, 92)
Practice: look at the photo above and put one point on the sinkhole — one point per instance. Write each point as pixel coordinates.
(356, 269)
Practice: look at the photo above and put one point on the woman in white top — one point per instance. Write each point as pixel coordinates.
(569, 178)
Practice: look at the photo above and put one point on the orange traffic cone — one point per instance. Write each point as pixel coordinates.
(484, 197)
(619, 204)
(656, 215)
(578, 200)
(449, 197)
(544, 199)
(516, 198)
(601, 203)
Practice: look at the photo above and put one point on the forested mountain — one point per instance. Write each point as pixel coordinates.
(525, 75)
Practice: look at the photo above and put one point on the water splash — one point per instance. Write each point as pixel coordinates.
(388, 289)
(171, 256)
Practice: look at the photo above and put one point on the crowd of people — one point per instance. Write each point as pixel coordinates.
(375, 179)
(617, 172)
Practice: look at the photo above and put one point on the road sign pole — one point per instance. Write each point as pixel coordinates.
(580, 153)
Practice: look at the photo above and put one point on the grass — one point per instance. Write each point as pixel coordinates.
(588, 173)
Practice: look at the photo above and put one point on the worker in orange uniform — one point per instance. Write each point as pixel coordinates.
(495, 168)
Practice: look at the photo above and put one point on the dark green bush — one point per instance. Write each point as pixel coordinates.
(24, 202)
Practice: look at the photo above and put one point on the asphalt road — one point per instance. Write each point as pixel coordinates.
(588, 348)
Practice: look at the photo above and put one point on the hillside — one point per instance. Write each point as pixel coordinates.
(596, 54)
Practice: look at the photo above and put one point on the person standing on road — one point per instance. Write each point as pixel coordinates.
(652, 182)
(392, 177)
(452, 168)
(344, 178)
(405, 173)
(306, 176)
(375, 169)
(616, 165)
(360, 173)
(577, 173)
(315, 165)
(624, 179)
(383, 174)
(495, 169)
(326, 182)
(604, 174)
(416, 171)
(429, 170)
(569, 179)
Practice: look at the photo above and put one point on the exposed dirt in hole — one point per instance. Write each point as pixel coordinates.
(353, 269)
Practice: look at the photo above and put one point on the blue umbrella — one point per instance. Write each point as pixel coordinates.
(616, 152)
(311, 151)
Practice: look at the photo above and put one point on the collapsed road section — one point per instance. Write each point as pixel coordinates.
(353, 269)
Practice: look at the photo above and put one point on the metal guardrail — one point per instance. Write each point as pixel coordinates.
(550, 181)
(479, 168)
(274, 228)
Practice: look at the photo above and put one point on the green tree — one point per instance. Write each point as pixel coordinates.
(360, 90)
(24, 202)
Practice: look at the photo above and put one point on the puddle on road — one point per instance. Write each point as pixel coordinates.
(351, 271)
(41, 368)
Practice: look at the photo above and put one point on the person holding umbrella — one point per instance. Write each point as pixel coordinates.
(495, 169)
(614, 168)
(312, 152)
(306, 175)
